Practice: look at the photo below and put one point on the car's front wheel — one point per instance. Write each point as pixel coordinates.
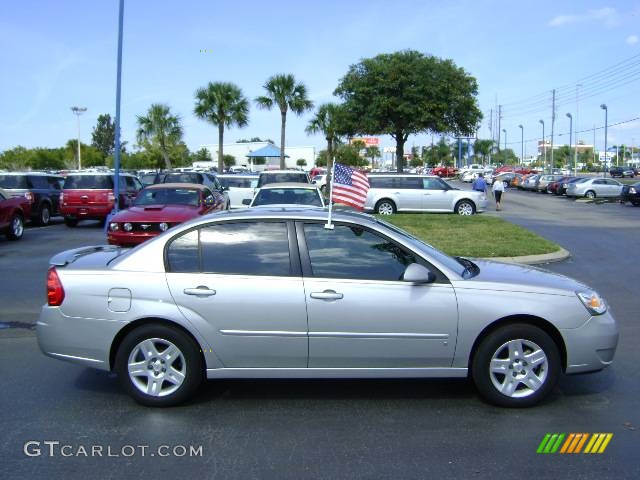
(516, 365)
(16, 228)
(44, 215)
(465, 207)
(159, 365)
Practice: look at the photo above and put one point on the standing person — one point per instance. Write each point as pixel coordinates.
(498, 190)
(480, 184)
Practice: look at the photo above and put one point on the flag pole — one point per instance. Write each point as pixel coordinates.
(329, 225)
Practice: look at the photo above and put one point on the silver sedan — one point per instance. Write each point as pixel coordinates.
(594, 187)
(275, 293)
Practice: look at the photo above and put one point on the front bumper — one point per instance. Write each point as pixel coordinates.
(592, 346)
(129, 239)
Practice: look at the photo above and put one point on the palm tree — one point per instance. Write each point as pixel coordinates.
(160, 128)
(483, 148)
(223, 105)
(325, 121)
(283, 91)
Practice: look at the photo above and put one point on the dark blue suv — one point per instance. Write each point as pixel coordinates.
(42, 190)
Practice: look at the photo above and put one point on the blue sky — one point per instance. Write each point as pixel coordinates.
(58, 54)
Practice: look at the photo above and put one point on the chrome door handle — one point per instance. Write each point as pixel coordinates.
(327, 295)
(200, 291)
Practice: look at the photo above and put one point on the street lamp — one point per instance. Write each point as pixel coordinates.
(505, 138)
(79, 111)
(544, 145)
(575, 168)
(521, 144)
(606, 115)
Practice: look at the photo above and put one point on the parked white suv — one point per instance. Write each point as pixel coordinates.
(240, 187)
(391, 193)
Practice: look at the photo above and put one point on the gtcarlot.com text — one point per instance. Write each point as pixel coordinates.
(52, 448)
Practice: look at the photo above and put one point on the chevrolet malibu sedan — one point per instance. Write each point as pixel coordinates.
(160, 207)
(362, 299)
(594, 187)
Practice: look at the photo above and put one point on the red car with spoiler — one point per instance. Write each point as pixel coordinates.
(160, 207)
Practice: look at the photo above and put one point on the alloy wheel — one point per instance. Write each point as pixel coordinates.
(518, 368)
(17, 227)
(385, 208)
(156, 367)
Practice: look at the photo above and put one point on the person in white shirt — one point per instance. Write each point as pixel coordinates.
(498, 190)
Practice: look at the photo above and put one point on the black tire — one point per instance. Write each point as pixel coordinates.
(635, 203)
(463, 206)
(493, 344)
(71, 222)
(385, 207)
(590, 194)
(44, 215)
(193, 364)
(16, 228)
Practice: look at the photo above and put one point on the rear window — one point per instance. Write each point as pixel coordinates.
(286, 177)
(183, 178)
(88, 182)
(13, 181)
(290, 196)
(238, 182)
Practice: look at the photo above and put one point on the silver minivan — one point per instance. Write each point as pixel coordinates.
(391, 193)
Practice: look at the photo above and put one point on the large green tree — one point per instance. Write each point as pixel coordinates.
(161, 129)
(407, 92)
(103, 136)
(324, 122)
(284, 92)
(223, 105)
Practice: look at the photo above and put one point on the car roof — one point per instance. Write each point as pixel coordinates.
(292, 185)
(40, 174)
(238, 175)
(397, 174)
(103, 174)
(265, 172)
(157, 186)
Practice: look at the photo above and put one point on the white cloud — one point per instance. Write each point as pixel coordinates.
(606, 15)
(632, 39)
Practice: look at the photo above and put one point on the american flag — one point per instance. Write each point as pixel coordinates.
(350, 186)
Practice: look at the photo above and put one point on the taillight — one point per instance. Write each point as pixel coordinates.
(55, 292)
(29, 196)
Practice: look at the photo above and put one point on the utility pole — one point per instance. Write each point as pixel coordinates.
(79, 111)
(490, 131)
(499, 124)
(577, 128)
(606, 115)
(553, 124)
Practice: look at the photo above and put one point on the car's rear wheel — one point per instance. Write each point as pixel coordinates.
(70, 222)
(16, 228)
(516, 365)
(44, 215)
(159, 365)
(465, 207)
(590, 194)
(386, 207)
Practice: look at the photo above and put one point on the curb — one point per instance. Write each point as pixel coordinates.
(553, 257)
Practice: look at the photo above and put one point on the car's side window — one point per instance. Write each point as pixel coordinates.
(183, 254)
(409, 183)
(246, 248)
(599, 182)
(432, 184)
(380, 182)
(352, 252)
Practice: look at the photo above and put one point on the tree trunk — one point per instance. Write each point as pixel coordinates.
(399, 152)
(165, 156)
(220, 152)
(329, 162)
(284, 124)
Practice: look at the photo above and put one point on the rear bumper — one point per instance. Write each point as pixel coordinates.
(90, 212)
(592, 346)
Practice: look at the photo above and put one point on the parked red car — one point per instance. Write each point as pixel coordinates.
(89, 196)
(13, 211)
(511, 168)
(160, 207)
(445, 171)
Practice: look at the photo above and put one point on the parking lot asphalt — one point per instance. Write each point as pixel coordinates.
(328, 429)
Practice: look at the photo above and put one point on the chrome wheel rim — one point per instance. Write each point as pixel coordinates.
(518, 368)
(590, 195)
(465, 209)
(385, 209)
(156, 367)
(17, 227)
(45, 215)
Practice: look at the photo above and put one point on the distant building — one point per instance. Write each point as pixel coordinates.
(241, 150)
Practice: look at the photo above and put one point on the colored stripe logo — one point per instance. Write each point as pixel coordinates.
(574, 443)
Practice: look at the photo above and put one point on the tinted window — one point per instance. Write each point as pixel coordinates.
(39, 181)
(55, 182)
(239, 182)
(185, 177)
(380, 182)
(248, 248)
(182, 254)
(286, 177)
(88, 182)
(352, 252)
(432, 184)
(13, 181)
(291, 196)
(409, 183)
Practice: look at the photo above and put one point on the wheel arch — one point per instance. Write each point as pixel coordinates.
(536, 321)
(385, 199)
(129, 327)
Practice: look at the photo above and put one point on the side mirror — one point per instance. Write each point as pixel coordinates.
(246, 201)
(416, 273)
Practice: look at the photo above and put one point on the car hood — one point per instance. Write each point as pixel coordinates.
(520, 278)
(157, 213)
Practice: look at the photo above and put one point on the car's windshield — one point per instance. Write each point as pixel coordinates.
(88, 182)
(283, 177)
(13, 181)
(295, 196)
(168, 196)
(148, 178)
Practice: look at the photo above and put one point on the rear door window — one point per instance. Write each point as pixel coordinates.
(89, 182)
(13, 181)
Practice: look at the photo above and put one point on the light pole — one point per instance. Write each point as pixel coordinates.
(79, 111)
(570, 139)
(521, 144)
(504, 130)
(606, 115)
(544, 145)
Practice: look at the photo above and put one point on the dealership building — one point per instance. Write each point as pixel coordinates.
(271, 152)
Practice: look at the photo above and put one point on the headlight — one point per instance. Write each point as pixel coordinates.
(592, 301)
(114, 227)
(164, 226)
(632, 191)
(128, 227)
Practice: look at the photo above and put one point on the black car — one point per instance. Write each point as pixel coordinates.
(562, 186)
(631, 193)
(42, 190)
(151, 178)
(622, 172)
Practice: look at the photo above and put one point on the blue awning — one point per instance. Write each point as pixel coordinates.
(266, 151)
